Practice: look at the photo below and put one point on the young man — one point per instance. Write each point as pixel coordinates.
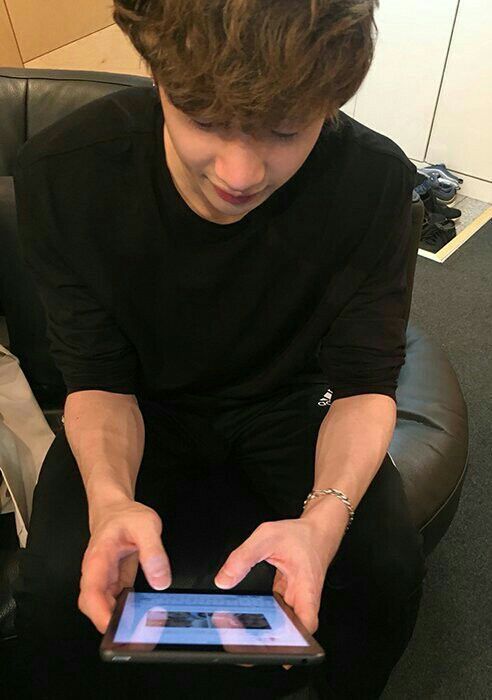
(226, 262)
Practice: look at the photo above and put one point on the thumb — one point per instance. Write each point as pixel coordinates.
(154, 562)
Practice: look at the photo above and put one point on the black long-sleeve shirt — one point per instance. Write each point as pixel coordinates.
(144, 296)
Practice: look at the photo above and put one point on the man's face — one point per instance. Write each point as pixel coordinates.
(237, 163)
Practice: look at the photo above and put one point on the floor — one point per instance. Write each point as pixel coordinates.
(470, 210)
(450, 654)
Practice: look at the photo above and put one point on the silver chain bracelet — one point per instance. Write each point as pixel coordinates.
(338, 494)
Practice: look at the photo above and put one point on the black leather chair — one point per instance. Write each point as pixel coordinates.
(430, 444)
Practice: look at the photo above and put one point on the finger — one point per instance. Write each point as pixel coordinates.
(128, 571)
(128, 568)
(279, 583)
(99, 570)
(253, 550)
(94, 603)
(154, 560)
(306, 605)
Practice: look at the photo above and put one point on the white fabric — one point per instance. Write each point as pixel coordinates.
(25, 437)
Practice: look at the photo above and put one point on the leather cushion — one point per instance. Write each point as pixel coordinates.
(430, 443)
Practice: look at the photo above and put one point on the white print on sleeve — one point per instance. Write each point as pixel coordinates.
(325, 400)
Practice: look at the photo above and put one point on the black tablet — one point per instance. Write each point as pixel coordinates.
(183, 626)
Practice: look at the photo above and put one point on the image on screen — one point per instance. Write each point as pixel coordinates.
(199, 618)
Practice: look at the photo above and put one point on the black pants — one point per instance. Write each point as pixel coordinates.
(194, 447)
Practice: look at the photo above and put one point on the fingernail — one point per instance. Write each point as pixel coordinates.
(160, 586)
(224, 581)
(159, 580)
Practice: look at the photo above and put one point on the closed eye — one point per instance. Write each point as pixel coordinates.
(208, 127)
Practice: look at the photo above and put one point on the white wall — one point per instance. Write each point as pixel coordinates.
(400, 91)
(462, 132)
(430, 86)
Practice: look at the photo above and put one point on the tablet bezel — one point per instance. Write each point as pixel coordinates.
(208, 653)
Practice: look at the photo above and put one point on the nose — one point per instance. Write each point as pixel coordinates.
(240, 169)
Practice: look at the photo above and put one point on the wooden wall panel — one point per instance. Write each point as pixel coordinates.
(41, 27)
(107, 50)
(9, 53)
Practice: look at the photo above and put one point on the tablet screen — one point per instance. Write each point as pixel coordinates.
(208, 619)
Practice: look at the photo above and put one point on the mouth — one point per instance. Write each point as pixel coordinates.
(233, 199)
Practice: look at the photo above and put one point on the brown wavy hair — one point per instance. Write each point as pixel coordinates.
(254, 63)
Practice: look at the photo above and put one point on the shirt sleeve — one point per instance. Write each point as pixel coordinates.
(364, 349)
(87, 346)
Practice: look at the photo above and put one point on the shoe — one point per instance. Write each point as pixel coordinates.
(422, 183)
(443, 191)
(432, 205)
(436, 235)
(435, 240)
(439, 181)
(436, 172)
(447, 227)
(449, 175)
(439, 220)
(433, 218)
(445, 196)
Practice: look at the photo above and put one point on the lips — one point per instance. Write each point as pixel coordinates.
(236, 196)
(232, 198)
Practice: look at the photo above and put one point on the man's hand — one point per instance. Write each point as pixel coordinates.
(122, 535)
(300, 549)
